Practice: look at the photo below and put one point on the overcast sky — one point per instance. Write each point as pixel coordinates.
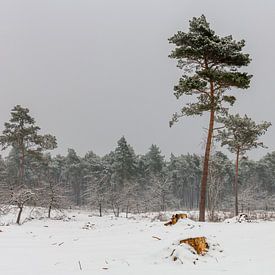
(91, 71)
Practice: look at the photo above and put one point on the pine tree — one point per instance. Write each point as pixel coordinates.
(21, 133)
(154, 160)
(124, 162)
(124, 167)
(210, 64)
(73, 174)
(240, 135)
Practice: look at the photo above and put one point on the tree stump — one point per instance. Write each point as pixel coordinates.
(175, 219)
(199, 244)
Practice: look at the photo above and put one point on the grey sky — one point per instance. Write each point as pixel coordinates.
(93, 70)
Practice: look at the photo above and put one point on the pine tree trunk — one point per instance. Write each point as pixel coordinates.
(49, 211)
(127, 209)
(77, 192)
(19, 215)
(21, 167)
(114, 210)
(100, 210)
(236, 183)
(207, 157)
(138, 208)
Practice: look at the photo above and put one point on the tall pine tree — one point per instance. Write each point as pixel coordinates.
(210, 63)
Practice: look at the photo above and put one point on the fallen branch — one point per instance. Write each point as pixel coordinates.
(79, 263)
(172, 252)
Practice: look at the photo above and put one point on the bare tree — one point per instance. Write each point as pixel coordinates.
(53, 196)
(220, 173)
(129, 196)
(97, 192)
(21, 196)
(160, 193)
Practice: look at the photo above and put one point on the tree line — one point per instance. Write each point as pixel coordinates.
(123, 181)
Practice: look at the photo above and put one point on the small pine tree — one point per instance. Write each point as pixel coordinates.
(240, 135)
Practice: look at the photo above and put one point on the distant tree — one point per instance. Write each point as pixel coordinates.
(185, 175)
(96, 193)
(210, 64)
(240, 135)
(74, 175)
(21, 133)
(266, 171)
(97, 180)
(124, 164)
(12, 162)
(160, 191)
(154, 160)
(142, 170)
(58, 168)
(4, 187)
(51, 193)
(3, 173)
(123, 181)
(220, 176)
(142, 180)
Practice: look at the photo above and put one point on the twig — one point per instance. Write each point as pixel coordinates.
(155, 237)
(79, 263)
(172, 252)
(180, 260)
(191, 227)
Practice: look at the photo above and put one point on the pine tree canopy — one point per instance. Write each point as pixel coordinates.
(154, 160)
(241, 134)
(210, 63)
(21, 132)
(124, 161)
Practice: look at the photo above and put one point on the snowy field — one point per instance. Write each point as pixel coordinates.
(133, 246)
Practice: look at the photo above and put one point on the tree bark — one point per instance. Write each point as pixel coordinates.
(49, 211)
(22, 166)
(236, 182)
(100, 210)
(207, 157)
(19, 215)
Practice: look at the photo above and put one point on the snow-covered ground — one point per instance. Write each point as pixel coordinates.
(87, 244)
